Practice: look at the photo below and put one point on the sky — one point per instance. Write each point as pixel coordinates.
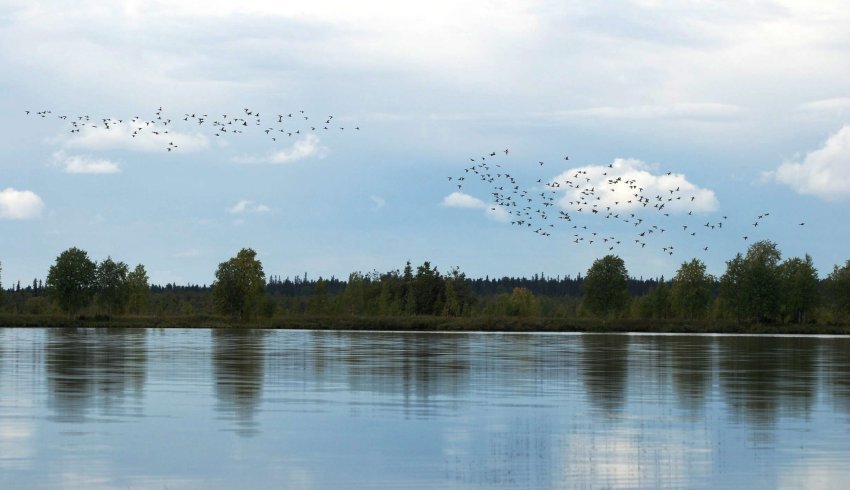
(745, 104)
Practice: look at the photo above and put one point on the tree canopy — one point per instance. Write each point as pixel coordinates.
(799, 294)
(838, 290)
(239, 283)
(113, 290)
(690, 293)
(138, 290)
(605, 286)
(71, 280)
(750, 288)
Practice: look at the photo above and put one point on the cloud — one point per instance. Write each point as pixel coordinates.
(461, 200)
(694, 111)
(132, 135)
(248, 207)
(188, 253)
(80, 164)
(826, 105)
(824, 172)
(15, 204)
(597, 179)
(307, 147)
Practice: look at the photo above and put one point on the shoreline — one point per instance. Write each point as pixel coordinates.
(427, 324)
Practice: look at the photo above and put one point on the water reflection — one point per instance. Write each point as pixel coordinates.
(237, 357)
(93, 370)
(760, 376)
(402, 410)
(604, 369)
(421, 369)
(836, 367)
(690, 363)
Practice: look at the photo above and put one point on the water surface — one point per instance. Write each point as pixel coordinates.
(136, 408)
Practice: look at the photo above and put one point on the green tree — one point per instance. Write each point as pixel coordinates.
(690, 293)
(1, 285)
(750, 288)
(761, 281)
(522, 303)
(799, 288)
(37, 305)
(656, 304)
(391, 297)
(139, 290)
(239, 282)
(731, 287)
(837, 289)
(113, 290)
(355, 293)
(71, 280)
(408, 305)
(458, 297)
(318, 302)
(427, 290)
(606, 286)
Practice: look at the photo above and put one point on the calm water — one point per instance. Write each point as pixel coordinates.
(304, 409)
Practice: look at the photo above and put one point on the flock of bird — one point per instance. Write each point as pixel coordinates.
(275, 126)
(609, 211)
(581, 201)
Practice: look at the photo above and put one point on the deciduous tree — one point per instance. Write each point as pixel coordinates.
(690, 293)
(113, 290)
(606, 286)
(522, 303)
(139, 290)
(427, 290)
(71, 280)
(750, 288)
(239, 282)
(838, 291)
(799, 288)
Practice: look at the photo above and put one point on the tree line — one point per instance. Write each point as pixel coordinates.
(756, 287)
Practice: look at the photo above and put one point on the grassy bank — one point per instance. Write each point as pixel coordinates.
(424, 323)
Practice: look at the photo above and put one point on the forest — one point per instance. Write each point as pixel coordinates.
(758, 287)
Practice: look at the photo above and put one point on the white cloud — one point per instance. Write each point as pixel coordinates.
(692, 111)
(307, 147)
(462, 200)
(824, 172)
(83, 164)
(631, 177)
(188, 253)
(15, 204)
(827, 105)
(248, 207)
(130, 135)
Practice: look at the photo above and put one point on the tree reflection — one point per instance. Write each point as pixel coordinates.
(836, 365)
(93, 369)
(416, 367)
(798, 379)
(605, 369)
(761, 376)
(238, 356)
(691, 363)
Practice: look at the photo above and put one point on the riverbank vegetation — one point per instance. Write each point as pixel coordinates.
(759, 292)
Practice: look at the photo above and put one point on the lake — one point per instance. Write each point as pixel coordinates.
(198, 408)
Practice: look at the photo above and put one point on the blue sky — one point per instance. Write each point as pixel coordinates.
(745, 101)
